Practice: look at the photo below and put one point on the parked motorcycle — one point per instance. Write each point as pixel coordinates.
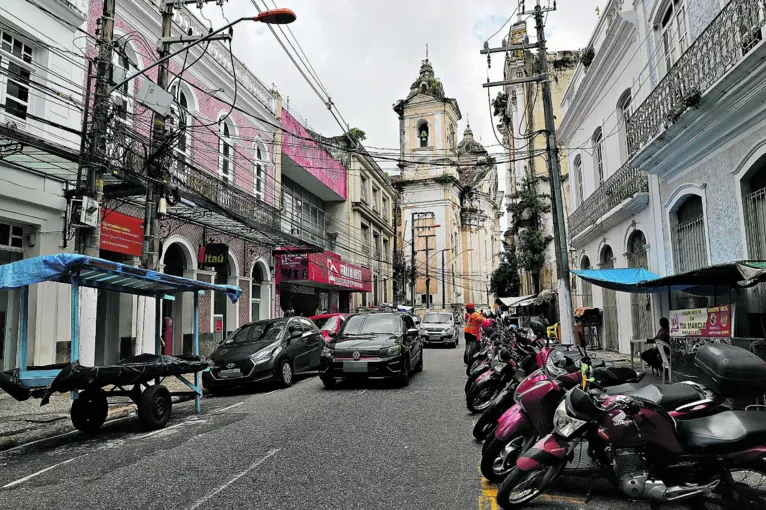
(639, 446)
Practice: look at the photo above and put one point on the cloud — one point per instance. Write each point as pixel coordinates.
(367, 53)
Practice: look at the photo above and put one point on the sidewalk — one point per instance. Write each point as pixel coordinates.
(24, 422)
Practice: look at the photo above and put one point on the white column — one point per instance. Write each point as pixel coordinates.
(88, 306)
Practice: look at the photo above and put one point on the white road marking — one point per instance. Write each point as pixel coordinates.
(269, 393)
(150, 434)
(230, 407)
(362, 392)
(22, 480)
(61, 435)
(240, 475)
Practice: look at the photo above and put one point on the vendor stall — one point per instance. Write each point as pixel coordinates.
(87, 385)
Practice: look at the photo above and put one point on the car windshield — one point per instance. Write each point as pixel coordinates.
(439, 318)
(372, 324)
(265, 332)
(327, 324)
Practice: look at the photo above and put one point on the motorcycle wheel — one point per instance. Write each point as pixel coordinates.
(472, 366)
(472, 380)
(499, 459)
(481, 395)
(485, 425)
(745, 489)
(521, 487)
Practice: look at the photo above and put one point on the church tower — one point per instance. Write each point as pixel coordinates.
(427, 126)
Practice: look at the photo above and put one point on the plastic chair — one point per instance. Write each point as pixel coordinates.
(665, 361)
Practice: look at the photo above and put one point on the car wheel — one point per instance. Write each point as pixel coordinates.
(419, 366)
(285, 376)
(329, 382)
(89, 411)
(404, 379)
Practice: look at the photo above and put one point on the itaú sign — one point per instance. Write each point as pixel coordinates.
(326, 268)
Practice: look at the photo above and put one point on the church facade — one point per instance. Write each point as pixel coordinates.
(450, 206)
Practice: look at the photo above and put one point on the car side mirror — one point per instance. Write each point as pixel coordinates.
(296, 333)
(412, 333)
(332, 334)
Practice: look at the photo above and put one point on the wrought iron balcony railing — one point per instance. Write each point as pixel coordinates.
(731, 34)
(626, 183)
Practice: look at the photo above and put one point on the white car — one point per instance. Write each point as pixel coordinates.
(439, 328)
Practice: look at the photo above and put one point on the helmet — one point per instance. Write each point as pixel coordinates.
(469, 306)
(487, 324)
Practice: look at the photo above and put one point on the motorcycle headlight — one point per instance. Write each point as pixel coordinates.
(327, 352)
(564, 424)
(391, 351)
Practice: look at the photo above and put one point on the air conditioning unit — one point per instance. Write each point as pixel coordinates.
(295, 231)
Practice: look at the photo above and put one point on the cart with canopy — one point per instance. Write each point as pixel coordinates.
(137, 377)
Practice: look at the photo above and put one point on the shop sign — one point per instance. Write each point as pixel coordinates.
(294, 267)
(121, 233)
(713, 322)
(214, 255)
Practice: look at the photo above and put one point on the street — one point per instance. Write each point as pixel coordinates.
(365, 446)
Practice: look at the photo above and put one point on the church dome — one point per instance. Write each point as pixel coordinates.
(468, 145)
(426, 83)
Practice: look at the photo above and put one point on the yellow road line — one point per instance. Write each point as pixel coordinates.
(488, 493)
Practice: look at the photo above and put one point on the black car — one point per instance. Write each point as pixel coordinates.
(373, 345)
(265, 351)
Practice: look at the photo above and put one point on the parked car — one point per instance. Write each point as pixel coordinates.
(329, 323)
(439, 328)
(265, 351)
(373, 345)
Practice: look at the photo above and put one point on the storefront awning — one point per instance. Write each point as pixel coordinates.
(623, 280)
(513, 301)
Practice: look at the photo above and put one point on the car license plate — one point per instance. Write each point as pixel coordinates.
(233, 372)
(355, 366)
(436, 338)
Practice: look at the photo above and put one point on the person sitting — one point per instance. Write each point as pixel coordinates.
(652, 356)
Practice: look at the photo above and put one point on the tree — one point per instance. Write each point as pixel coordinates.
(505, 279)
(527, 208)
(357, 134)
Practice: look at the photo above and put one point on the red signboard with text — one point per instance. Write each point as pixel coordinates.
(326, 268)
(121, 233)
(714, 322)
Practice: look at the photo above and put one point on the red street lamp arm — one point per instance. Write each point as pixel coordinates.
(274, 16)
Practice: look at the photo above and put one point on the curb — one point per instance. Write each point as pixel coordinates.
(7, 443)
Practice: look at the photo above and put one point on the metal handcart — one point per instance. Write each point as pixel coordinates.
(137, 377)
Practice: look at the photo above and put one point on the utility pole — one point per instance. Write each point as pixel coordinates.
(89, 238)
(428, 275)
(150, 255)
(444, 284)
(559, 228)
(395, 282)
(412, 267)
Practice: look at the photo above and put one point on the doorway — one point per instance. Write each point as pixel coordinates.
(9, 317)
(611, 330)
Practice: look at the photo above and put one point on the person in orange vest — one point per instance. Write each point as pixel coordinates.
(472, 329)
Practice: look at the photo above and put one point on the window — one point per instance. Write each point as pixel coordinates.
(386, 255)
(385, 212)
(180, 110)
(363, 189)
(11, 236)
(259, 171)
(122, 98)
(366, 247)
(674, 32)
(375, 195)
(580, 194)
(624, 111)
(598, 155)
(376, 246)
(15, 64)
(256, 292)
(225, 160)
(423, 133)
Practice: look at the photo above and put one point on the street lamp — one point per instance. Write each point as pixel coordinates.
(272, 17)
(444, 275)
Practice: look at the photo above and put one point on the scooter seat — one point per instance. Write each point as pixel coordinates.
(667, 396)
(724, 432)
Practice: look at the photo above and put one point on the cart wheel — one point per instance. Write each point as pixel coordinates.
(89, 411)
(154, 407)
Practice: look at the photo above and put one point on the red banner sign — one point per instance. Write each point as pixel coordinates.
(326, 268)
(715, 322)
(121, 233)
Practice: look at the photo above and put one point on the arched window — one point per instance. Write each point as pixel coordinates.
(674, 33)
(598, 155)
(225, 153)
(256, 290)
(586, 294)
(580, 193)
(754, 205)
(689, 235)
(181, 119)
(624, 111)
(259, 172)
(423, 133)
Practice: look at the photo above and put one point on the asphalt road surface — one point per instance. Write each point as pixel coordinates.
(362, 446)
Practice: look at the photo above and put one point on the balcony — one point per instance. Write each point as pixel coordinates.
(622, 195)
(697, 101)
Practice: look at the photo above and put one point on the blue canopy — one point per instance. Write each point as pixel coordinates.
(102, 274)
(631, 279)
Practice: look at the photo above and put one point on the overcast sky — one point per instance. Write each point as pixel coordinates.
(368, 52)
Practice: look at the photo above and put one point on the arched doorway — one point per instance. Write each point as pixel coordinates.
(611, 334)
(259, 293)
(690, 246)
(223, 308)
(177, 315)
(586, 292)
(640, 304)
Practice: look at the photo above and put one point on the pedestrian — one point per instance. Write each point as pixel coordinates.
(652, 356)
(472, 327)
